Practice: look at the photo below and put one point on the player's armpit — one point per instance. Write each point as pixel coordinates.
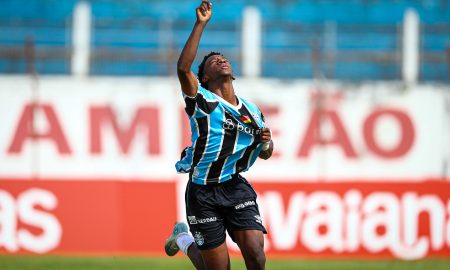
(188, 82)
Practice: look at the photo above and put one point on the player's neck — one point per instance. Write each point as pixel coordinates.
(225, 90)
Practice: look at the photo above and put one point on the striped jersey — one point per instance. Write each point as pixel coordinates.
(225, 138)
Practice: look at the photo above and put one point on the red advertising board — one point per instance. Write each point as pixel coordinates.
(349, 219)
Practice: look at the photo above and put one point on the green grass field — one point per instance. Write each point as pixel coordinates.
(141, 263)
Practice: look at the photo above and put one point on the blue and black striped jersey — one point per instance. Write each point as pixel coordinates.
(225, 138)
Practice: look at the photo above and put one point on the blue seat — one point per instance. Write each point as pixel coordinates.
(293, 29)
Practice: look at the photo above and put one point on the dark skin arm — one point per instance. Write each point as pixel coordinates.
(266, 136)
(187, 78)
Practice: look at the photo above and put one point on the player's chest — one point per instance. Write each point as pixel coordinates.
(226, 123)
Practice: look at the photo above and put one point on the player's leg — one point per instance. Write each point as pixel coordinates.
(244, 224)
(216, 258)
(206, 223)
(211, 259)
(196, 257)
(251, 243)
(180, 239)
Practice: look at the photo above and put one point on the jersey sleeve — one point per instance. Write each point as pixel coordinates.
(200, 105)
(185, 162)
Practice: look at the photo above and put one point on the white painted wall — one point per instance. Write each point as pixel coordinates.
(71, 100)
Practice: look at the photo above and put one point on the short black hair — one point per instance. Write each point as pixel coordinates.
(201, 68)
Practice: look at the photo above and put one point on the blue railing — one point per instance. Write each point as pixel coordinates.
(340, 39)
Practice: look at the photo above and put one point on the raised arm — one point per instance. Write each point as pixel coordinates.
(187, 78)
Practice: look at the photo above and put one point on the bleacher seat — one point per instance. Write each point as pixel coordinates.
(338, 39)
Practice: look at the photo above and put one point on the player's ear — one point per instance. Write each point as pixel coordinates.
(205, 79)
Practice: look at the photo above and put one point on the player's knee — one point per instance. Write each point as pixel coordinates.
(255, 254)
(260, 259)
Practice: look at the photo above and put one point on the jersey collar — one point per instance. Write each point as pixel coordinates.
(229, 105)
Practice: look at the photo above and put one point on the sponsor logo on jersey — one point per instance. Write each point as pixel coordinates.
(258, 219)
(228, 124)
(195, 220)
(192, 220)
(245, 204)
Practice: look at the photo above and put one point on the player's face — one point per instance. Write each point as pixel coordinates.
(217, 66)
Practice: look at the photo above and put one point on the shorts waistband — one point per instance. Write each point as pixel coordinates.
(234, 178)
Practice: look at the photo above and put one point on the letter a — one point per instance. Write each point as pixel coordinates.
(25, 129)
(314, 135)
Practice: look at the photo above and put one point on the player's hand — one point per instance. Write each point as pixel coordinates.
(267, 144)
(204, 11)
(266, 135)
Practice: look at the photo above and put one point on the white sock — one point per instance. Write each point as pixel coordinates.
(184, 241)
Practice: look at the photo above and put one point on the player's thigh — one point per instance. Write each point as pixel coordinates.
(244, 224)
(216, 258)
(205, 218)
(243, 212)
(251, 242)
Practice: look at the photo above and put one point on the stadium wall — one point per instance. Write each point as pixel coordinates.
(87, 166)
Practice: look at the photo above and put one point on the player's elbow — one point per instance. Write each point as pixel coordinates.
(265, 154)
(183, 67)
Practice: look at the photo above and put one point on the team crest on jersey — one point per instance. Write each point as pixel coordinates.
(198, 237)
(256, 117)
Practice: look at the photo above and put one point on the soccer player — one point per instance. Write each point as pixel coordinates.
(228, 134)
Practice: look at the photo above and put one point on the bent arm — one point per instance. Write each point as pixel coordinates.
(266, 139)
(266, 154)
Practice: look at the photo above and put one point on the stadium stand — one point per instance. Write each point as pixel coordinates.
(336, 39)
(45, 23)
